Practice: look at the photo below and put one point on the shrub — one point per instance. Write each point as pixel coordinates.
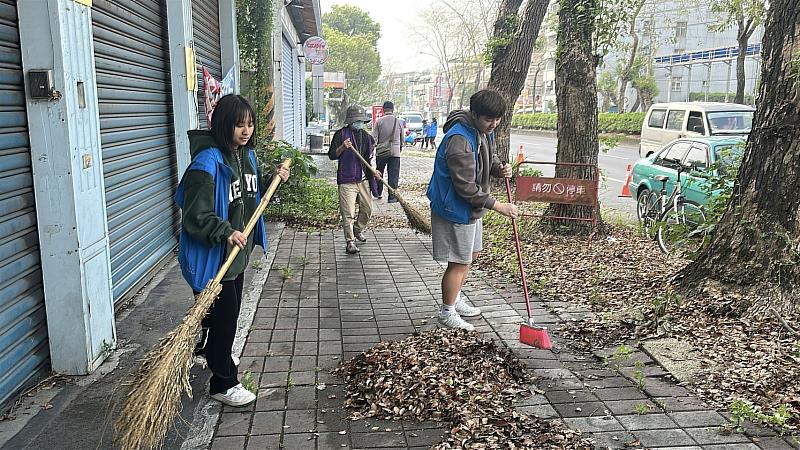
(302, 200)
(627, 123)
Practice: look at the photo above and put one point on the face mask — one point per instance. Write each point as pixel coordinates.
(357, 125)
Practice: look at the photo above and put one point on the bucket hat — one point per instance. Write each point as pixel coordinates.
(355, 113)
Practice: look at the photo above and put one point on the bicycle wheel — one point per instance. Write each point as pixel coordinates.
(679, 230)
(648, 209)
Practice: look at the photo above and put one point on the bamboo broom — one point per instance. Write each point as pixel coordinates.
(416, 219)
(155, 399)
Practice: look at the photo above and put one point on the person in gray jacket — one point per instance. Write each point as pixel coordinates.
(387, 132)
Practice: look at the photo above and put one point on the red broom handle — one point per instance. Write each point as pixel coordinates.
(519, 252)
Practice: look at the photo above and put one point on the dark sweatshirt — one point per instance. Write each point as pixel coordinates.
(199, 217)
(461, 164)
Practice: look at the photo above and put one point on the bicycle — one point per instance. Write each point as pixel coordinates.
(674, 222)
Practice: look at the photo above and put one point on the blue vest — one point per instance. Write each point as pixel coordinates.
(200, 263)
(444, 200)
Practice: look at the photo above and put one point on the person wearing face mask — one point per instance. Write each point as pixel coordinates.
(353, 180)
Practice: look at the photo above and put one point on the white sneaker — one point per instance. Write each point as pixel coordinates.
(455, 321)
(464, 309)
(235, 396)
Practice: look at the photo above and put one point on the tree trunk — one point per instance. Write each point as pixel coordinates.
(533, 88)
(576, 97)
(512, 61)
(637, 103)
(740, 74)
(626, 74)
(756, 246)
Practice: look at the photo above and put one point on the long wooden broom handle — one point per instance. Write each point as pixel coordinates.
(373, 170)
(519, 252)
(273, 186)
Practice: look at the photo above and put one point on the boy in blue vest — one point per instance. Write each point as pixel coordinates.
(459, 192)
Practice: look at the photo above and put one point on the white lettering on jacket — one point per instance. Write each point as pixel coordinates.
(235, 192)
(252, 182)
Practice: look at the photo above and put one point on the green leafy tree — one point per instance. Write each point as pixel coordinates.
(646, 88)
(353, 21)
(746, 16)
(607, 87)
(359, 60)
(352, 38)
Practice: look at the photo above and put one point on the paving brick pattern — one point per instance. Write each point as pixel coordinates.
(328, 306)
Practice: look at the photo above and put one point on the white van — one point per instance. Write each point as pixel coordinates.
(665, 122)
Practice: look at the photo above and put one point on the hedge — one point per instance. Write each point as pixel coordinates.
(628, 123)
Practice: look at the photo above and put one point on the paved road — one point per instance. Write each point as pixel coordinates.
(613, 164)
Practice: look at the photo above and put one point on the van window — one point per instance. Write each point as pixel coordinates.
(675, 119)
(695, 122)
(731, 122)
(656, 119)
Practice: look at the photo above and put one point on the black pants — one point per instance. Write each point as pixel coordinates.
(221, 321)
(393, 162)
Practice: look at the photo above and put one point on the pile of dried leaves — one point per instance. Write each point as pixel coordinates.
(622, 284)
(452, 376)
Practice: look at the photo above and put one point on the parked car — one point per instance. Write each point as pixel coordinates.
(667, 121)
(412, 123)
(698, 155)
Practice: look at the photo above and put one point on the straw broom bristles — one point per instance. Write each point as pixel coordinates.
(415, 219)
(155, 399)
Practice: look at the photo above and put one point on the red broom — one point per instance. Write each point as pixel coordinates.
(530, 333)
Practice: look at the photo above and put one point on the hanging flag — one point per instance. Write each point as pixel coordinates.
(214, 90)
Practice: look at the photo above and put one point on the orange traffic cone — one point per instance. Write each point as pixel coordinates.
(626, 192)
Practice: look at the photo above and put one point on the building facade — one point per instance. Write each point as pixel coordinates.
(681, 47)
(98, 96)
(298, 20)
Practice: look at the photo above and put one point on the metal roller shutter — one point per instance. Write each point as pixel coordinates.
(137, 136)
(287, 82)
(205, 25)
(24, 350)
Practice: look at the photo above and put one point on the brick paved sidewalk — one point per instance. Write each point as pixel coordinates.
(336, 305)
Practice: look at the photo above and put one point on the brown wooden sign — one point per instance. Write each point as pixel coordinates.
(568, 191)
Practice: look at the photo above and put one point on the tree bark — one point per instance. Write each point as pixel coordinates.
(512, 61)
(756, 246)
(576, 97)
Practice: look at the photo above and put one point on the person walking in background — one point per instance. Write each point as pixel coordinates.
(425, 129)
(459, 192)
(352, 177)
(388, 131)
(218, 193)
(431, 135)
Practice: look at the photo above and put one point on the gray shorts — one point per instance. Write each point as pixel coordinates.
(455, 242)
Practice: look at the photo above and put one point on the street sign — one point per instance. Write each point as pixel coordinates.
(315, 50)
(377, 113)
(567, 191)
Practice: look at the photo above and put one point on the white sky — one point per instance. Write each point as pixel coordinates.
(398, 45)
